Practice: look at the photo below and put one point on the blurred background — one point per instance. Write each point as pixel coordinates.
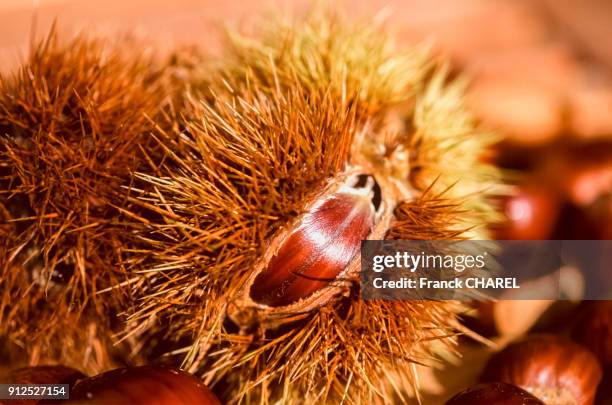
(540, 72)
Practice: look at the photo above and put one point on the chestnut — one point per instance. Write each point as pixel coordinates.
(146, 385)
(494, 394)
(322, 245)
(531, 213)
(594, 330)
(316, 252)
(553, 368)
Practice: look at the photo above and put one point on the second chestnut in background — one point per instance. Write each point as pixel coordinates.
(552, 368)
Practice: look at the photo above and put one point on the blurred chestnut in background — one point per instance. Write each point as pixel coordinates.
(553, 368)
(594, 330)
(147, 385)
(494, 394)
(565, 190)
(531, 213)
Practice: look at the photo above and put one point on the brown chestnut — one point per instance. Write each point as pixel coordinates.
(147, 385)
(552, 368)
(316, 252)
(531, 213)
(494, 394)
(322, 244)
(594, 330)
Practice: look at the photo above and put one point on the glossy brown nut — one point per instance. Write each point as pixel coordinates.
(531, 214)
(317, 252)
(494, 394)
(553, 368)
(594, 330)
(146, 385)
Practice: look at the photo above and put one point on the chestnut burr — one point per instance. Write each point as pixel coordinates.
(311, 262)
(494, 394)
(552, 368)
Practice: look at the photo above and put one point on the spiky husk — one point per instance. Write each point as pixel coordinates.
(75, 123)
(280, 116)
(449, 154)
